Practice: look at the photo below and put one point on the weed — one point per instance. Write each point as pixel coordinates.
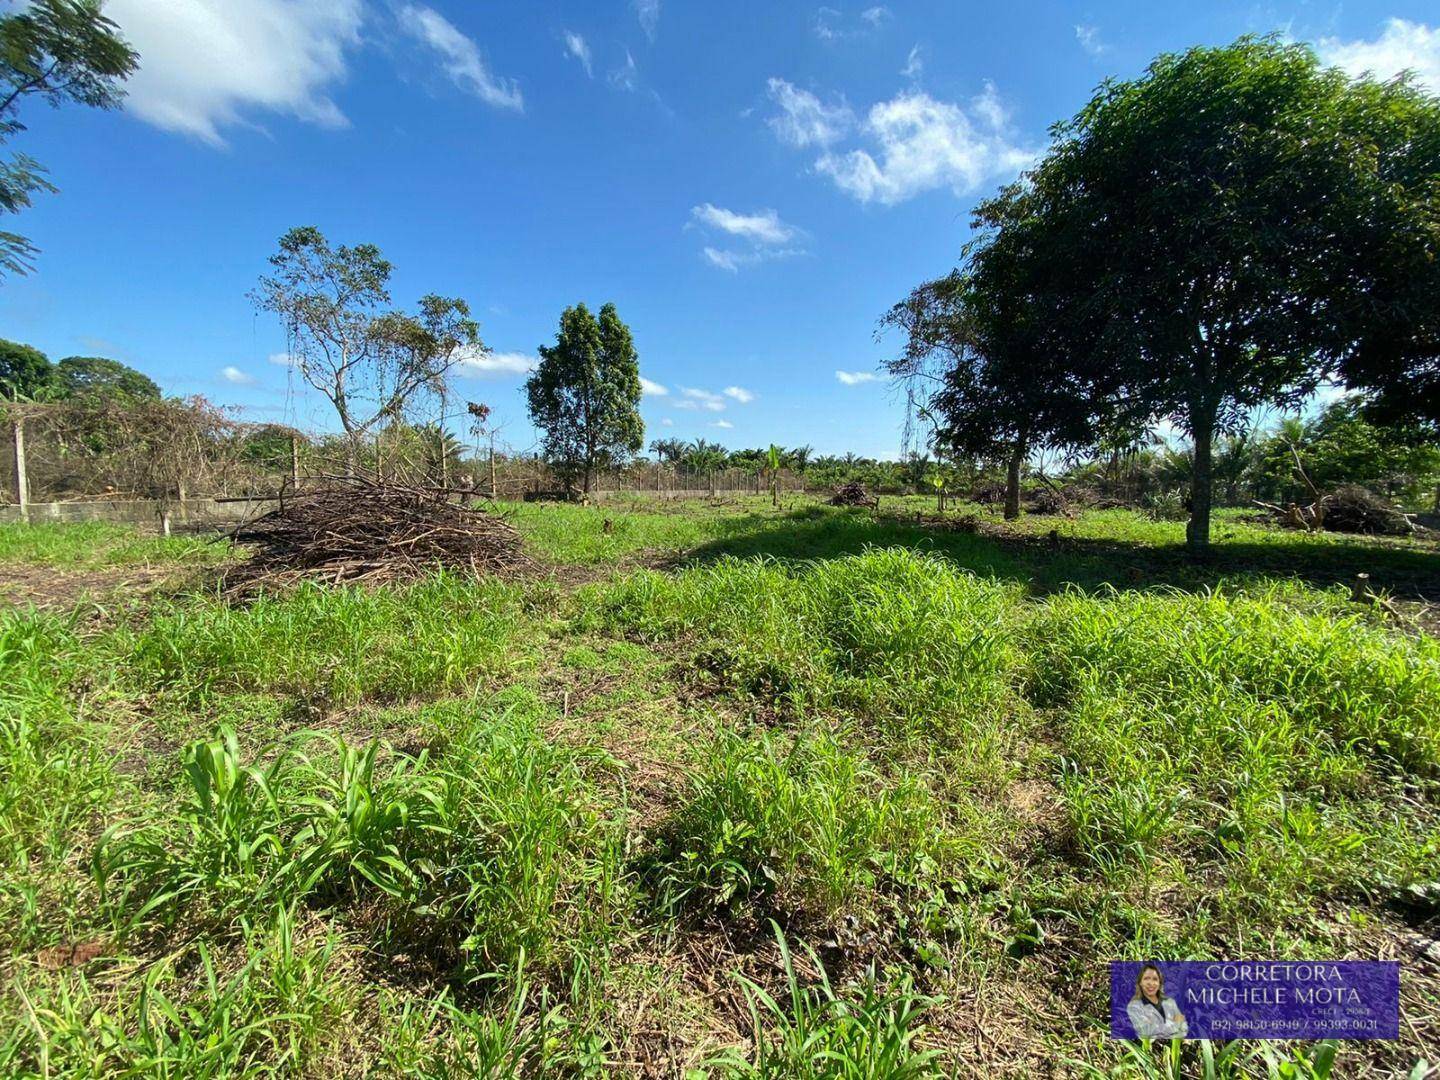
(818, 1034)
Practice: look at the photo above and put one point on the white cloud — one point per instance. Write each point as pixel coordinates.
(728, 260)
(665, 421)
(762, 227)
(284, 359)
(914, 65)
(831, 24)
(648, 12)
(739, 393)
(1089, 38)
(722, 424)
(480, 364)
(576, 46)
(700, 399)
(460, 56)
(923, 144)
(652, 389)
(1401, 46)
(855, 378)
(626, 77)
(233, 375)
(825, 28)
(766, 234)
(209, 64)
(803, 119)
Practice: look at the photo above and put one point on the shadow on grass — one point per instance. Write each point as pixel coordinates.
(1047, 564)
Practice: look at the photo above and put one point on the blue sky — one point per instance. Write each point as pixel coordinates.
(751, 184)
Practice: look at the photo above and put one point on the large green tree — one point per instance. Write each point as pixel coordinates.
(98, 376)
(58, 50)
(585, 393)
(1238, 208)
(25, 372)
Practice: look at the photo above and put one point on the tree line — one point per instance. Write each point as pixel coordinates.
(1227, 232)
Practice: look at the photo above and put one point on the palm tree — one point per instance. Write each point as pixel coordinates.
(671, 450)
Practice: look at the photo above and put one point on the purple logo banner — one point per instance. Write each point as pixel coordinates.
(1255, 999)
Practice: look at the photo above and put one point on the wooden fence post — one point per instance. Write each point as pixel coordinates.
(295, 462)
(22, 483)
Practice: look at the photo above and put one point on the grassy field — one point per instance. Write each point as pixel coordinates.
(718, 790)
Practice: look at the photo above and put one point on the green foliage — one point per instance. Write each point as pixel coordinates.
(493, 850)
(585, 395)
(1235, 1060)
(95, 376)
(25, 372)
(1274, 236)
(61, 50)
(1340, 446)
(320, 837)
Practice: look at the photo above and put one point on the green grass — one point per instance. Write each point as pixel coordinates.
(808, 828)
(95, 545)
(525, 827)
(342, 645)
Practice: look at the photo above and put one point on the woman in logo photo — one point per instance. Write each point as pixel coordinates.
(1151, 1012)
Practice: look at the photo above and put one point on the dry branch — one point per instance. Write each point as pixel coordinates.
(355, 530)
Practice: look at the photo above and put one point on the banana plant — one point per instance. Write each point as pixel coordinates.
(937, 481)
(773, 458)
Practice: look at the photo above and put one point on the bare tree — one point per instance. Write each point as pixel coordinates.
(367, 361)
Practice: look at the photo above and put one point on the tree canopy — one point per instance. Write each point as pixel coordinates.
(98, 376)
(585, 394)
(60, 50)
(25, 372)
(1228, 225)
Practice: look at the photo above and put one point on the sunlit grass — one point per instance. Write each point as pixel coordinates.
(95, 544)
(485, 827)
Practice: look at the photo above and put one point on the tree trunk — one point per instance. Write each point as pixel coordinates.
(295, 461)
(1202, 429)
(1012, 481)
(494, 494)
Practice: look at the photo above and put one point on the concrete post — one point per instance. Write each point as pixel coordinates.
(22, 482)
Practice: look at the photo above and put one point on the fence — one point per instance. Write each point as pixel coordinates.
(169, 461)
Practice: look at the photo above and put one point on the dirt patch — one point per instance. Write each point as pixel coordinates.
(48, 588)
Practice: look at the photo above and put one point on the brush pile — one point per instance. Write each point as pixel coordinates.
(1348, 509)
(1049, 501)
(852, 494)
(358, 531)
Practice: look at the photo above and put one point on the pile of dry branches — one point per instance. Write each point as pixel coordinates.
(356, 530)
(852, 494)
(1349, 509)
